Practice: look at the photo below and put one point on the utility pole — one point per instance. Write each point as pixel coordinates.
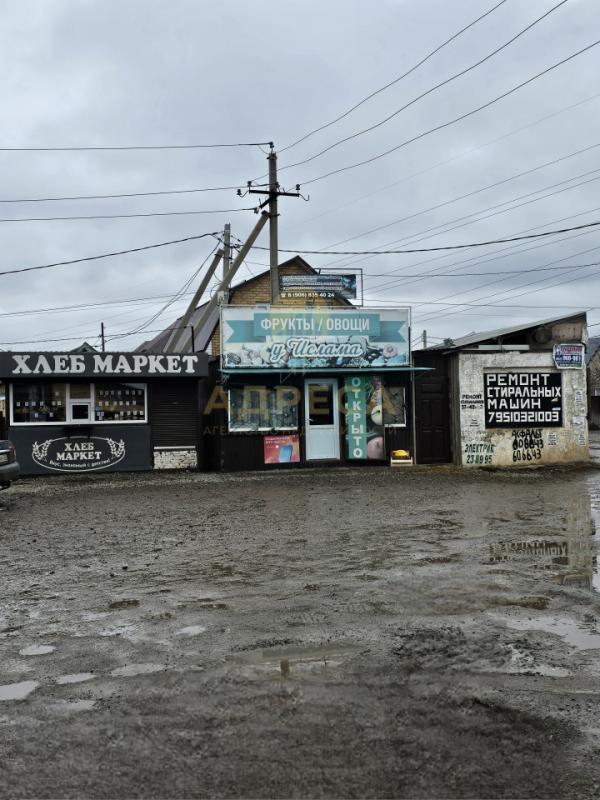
(424, 340)
(173, 343)
(273, 192)
(225, 283)
(273, 226)
(102, 336)
(226, 248)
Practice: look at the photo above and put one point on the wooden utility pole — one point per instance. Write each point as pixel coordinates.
(273, 226)
(273, 192)
(102, 339)
(226, 248)
(424, 340)
(176, 333)
(226, 282)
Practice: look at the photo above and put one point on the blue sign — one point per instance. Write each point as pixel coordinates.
(569, 356)
(259, 338)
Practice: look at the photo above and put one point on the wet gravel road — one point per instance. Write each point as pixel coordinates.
(349, 633)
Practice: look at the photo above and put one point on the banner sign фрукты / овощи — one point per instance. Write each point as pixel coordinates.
(268, 338)
(323, 285)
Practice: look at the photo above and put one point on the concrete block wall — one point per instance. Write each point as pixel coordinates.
(532, 444)
(175, 458)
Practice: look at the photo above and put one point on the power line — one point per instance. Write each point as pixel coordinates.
(547, 264)
(178, 295)
(130, 147)
(389, 303)
(457, 157)
(109, 255)
(479, 191)
(496, 255)
(124, 301)
(455, 120)
(483, 274)
(513, 289)
(396, 80)
(128, 216)
(438, 315)
(418, 237)
(120, 195)
(473, 305)
(432, 249)
(83, 306)
(426, 93)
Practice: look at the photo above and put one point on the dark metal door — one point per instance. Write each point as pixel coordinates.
(432, 412)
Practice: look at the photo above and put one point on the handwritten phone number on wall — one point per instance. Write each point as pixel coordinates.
(527, 445)
(479, 459)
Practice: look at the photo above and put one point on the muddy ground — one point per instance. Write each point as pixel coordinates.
(351, 633)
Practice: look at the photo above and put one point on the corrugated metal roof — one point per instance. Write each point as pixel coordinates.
(484, 336)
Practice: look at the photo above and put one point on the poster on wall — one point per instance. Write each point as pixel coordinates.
(306, 339)
(364, 418)
(322, 285)
(282, 449)
(569, 356)
(523, 399)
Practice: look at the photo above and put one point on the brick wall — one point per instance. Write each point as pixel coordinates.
(175, 458)
(258, 290)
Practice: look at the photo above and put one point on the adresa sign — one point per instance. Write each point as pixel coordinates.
(314, 339)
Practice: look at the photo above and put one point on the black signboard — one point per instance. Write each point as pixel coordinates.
(328, 286)
(101, 448)
(523, 399)
(99, 365)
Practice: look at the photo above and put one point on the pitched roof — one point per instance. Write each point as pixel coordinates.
(485, 336)
(202, 337)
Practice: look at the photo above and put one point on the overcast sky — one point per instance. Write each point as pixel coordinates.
(144, 72)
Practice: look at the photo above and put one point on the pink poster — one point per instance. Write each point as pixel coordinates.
(282, 449)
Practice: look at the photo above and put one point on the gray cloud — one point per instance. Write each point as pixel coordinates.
(191, 72)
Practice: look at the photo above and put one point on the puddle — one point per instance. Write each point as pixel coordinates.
(72, 706)
(564, 627)
(17, 691)
(75, 677)
(191, 630)
(125, 603)
(130, 670)
(37, 650)
(328, 655)
(92, 616)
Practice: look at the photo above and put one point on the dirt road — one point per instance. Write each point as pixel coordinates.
(356, 633)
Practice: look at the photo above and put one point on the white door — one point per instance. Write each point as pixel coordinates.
(321, 419)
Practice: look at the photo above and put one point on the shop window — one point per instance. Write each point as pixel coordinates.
(53, 403)
(394, 407)
(39, 402)
(80, 402)
(120, 402)
(258, 408)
